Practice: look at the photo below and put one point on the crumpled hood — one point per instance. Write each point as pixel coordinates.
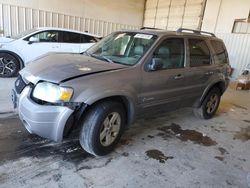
(59, 67)
(4, 40)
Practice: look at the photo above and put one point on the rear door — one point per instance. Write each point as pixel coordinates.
(200, 70)
(166, 85)
(71, 42)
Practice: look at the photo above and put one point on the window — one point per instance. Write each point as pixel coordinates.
(47, 36)
(242, 25)
(199, 53)
(220, 56)
(171, 51)
(88, 39)
(70, 37)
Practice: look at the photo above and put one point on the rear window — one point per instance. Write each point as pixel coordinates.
(220, 55)
(199, 53)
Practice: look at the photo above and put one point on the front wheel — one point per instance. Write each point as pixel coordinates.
(9, 65)
(102, 128)
(210, 104)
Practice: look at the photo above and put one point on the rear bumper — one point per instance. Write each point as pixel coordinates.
(44, 120)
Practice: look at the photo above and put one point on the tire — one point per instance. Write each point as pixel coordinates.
(9, 65)
(209, 105)
(97, 122)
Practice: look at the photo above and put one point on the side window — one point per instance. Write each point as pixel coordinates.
(87, 39)
(199, 53)
(220, 55)
(70, 37)
(171, 51)
(47, 36)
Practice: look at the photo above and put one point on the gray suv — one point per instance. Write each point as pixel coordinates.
(126, 74)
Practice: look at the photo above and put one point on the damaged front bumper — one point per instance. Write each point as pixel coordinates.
(47, 121)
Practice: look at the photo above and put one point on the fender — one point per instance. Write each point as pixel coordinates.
(127, 99)
(16, 56)
(222, 87)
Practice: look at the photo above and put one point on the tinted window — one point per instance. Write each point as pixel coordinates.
(70, 37)
(171, 51)
(88, 39)
(47, 36)
(199, 53)
(220, 56)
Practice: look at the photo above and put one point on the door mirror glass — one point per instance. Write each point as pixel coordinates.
(155, 64)
(33, 39)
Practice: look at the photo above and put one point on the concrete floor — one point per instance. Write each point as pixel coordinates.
(174, 150)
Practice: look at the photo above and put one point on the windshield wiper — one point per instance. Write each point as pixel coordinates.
(107, 59)
(98, 57)
(101, 58)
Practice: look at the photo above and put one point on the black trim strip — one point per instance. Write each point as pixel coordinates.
(87, 74)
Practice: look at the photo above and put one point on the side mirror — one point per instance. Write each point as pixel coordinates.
(155, 64)
(33, 39)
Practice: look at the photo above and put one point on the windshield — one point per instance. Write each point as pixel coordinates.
(24, 33)
(125, 48)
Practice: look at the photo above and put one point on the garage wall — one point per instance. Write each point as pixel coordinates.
(96, 16)
(172, 14)
(219, 18)
(220, 14)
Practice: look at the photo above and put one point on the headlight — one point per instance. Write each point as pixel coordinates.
(52, 93)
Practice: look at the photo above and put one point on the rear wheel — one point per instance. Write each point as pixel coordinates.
(102, 128)
(9, 65)
(210, 104)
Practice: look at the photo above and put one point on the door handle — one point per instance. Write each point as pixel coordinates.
(209, 73)
(55, 46)
(178, 76)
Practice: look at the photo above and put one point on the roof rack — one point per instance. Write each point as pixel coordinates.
(180, 30)
(153, 28)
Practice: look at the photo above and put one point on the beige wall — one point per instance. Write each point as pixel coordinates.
(128, 12)
(220, 14)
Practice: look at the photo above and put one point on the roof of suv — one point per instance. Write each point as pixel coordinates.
(180, 32)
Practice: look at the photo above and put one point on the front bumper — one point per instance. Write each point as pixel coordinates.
(44, 120)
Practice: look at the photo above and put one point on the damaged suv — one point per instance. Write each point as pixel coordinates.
(126, 74)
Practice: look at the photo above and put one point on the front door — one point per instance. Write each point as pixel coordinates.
(166, 85)
(47, 41)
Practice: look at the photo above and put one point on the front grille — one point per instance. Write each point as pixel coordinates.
(19, 84)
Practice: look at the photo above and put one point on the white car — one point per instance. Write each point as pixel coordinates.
(17, 51)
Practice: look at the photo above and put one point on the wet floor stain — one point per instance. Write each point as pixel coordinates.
(220, 158)
(16, 142)
(247, 121)
(158, 155)
(185, 135)
(125, 154)
(222, 150)
(243, 135)
(150, 136)
(94, 166)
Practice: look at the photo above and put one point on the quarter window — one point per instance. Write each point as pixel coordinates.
(171, 51)
(199, 53)
(220, 56)
(88, 39)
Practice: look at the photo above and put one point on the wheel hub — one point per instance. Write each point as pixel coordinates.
(110, 129)
(7, 66)
(212, 104)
